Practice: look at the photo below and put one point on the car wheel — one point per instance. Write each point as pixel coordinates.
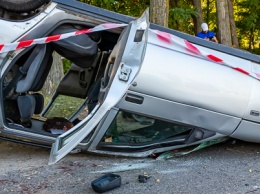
(21, 6)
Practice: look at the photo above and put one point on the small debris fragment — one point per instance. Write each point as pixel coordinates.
(143, 178)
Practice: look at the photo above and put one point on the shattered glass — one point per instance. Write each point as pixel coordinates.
(136, 129)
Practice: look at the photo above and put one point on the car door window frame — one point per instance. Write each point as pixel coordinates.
(101, 131)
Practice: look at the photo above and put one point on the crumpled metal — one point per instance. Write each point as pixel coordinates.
(172, 154)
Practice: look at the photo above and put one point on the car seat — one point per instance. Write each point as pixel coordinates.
(32, 81)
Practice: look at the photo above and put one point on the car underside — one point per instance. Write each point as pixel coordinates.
(126, 90)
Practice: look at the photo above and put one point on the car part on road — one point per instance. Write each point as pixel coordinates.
(143, 178)
(106, 183)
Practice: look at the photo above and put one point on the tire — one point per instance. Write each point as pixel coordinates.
(21, 6)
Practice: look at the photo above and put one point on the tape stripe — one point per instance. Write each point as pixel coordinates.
(192, 48)
(214, 58)
(53, 38)
(241, 70)
(163, 36)
(109, 25)
(22, 44)
(1, 46)
(174, 40)
(38, 41)
(9, 47)
(82, 32)
(257, 75)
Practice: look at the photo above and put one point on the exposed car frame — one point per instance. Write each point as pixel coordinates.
(164, 88)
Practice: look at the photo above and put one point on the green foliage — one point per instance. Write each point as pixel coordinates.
(180, 16)
(246, 13)
(66, 65)
(64, 106)
(181, 19)
(248, 24)
(132, 8)
(210, 13)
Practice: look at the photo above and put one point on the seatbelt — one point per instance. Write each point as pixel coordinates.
(22, 70)
(84, 75)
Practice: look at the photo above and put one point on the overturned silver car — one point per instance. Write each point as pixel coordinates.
(141, 88)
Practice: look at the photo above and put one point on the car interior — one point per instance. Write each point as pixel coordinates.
(26, 106)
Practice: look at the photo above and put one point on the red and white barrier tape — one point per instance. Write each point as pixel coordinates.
(163, 36)
(171, 39)
(22, 44)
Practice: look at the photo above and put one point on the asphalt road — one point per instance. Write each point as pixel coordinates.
(223, 168)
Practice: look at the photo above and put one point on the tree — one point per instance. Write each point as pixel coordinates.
(132, 8)
(197, 19)
(159, 10)
(232, 24)
(208, 11)
(180, 16)
(223, 22)
(248, 23)
(54, 77)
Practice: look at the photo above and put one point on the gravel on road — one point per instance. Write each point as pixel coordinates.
(223, 168)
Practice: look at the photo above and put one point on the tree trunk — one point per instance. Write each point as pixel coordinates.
(224, 35)
(159, 11)
(232, 24)
(197, 20)
(54, 77)
(251, 40)
(173, 3)
(208, 11)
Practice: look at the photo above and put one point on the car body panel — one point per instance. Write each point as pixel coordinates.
(195, 81)
(182, 113)
(247, 131)
(253, 104)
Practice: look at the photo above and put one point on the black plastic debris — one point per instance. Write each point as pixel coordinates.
(106, 183)
(143, 178)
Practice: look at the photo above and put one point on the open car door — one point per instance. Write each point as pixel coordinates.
(121, 69)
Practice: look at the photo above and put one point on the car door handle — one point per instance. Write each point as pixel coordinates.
(134, 99)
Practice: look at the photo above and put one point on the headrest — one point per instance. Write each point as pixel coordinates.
(38, 54)
(80, 49)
